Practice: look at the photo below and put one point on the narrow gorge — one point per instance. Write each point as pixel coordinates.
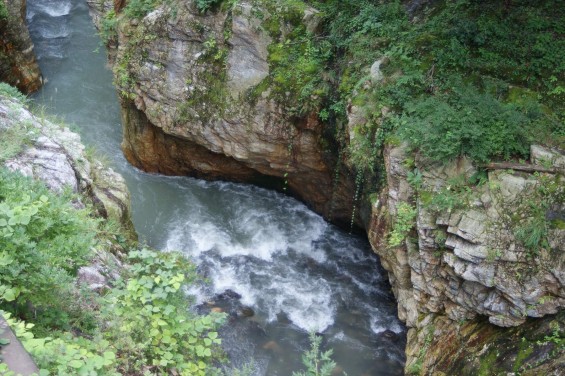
(434, 129)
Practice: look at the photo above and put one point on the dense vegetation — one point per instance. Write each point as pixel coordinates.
(475, 78)
(3, 11)
(142, 325)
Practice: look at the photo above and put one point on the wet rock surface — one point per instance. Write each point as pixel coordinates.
(18, 65)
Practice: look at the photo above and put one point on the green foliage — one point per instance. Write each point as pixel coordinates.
(108, 26)
(317, 363)
(455, 195)
(12, 92)
(43, 241)
(66, 355)
(296, 64)
(405, 215)
(13, 140)
(465, 121)
(150, 324)
(531, 225)
(557, 336)
(3, 11)
(455, 78)
(204, 5)
(296, 59)
(140, 8)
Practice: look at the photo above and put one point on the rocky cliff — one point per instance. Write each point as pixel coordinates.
(468, 263)
(190, 106)
(50, 152)
(18, 65)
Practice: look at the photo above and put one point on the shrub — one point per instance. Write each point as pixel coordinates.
(405, 216)
(534, 204)
(317, 363)
(11, 92)
(3, 11)
(43, 241)
(108, 26)
(150, 324)
(465, 121)
(140, 8)
(204, 5)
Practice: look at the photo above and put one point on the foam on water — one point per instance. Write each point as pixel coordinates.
(274, 252)
(52, 8)
(294, 270)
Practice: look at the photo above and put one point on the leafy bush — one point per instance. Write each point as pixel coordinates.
(66, 355)
(140, 8)
(531, 226)
(150, 324)
(108, 26)
(3, 11)
(405, 215)
(12, 92)
(43, 241)
(465, 121)
(204, 5)
(317, 363)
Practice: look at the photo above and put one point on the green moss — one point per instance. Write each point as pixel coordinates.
(3, 11)
(488, 362)
(524, 351)
(557, 224)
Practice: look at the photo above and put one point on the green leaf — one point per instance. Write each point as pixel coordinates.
(4, 341)
(10, 294)
(75, 363)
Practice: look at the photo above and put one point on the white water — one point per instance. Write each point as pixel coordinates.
(297, 272)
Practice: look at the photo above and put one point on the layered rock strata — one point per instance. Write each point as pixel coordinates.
(466, 267)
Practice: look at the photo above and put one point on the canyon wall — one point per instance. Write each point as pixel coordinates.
(18, 65)
(466, 285)
(186, 81)
(477, 295)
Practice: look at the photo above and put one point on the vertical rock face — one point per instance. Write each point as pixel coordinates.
(467, 265)
(187, 83)
(18, 65)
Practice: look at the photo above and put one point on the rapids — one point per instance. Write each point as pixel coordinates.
(258, 249)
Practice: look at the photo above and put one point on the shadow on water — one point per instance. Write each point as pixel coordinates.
(277, 268)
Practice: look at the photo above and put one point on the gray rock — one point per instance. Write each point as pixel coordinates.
(247, 59)
(57, 157)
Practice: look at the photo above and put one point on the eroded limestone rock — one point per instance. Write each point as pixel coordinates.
(57, 157)
(189, 108)
(468, 263)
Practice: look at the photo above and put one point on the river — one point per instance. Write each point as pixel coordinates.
(270, 253)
